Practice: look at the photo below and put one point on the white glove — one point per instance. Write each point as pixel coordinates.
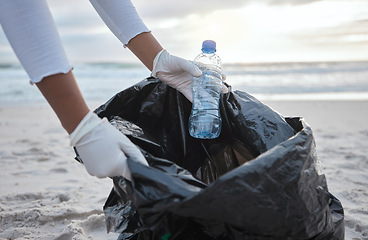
(176, 72)
(103, 149)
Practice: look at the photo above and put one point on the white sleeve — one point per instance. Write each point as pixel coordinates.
(32, 33)
(121, 17)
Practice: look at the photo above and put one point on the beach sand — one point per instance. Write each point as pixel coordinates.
(45, 194)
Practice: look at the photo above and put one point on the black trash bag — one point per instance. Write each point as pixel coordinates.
(258, 180)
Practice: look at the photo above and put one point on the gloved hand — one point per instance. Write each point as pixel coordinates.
(177, 72)
(103, 149)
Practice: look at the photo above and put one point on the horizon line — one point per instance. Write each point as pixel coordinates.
(136, 64)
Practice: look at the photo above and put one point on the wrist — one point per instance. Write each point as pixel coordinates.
(89, 122)
(155, 62)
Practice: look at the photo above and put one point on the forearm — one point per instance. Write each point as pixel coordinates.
(63, 94)
(32, 33)
(145, 47)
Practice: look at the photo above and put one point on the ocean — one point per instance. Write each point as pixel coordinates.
(267, 81)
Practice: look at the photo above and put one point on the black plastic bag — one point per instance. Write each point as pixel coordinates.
(258, 180)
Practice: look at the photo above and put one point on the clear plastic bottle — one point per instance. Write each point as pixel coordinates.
(205, 120)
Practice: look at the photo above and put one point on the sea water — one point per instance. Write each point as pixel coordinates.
(271, 81)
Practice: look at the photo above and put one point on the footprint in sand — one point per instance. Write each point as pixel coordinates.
(59, 170)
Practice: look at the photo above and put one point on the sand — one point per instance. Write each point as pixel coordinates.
(45, 194)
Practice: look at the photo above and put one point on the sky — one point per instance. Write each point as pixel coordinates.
(246, 31)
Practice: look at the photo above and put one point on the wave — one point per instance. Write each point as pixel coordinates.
(100, 81)
(295, 67)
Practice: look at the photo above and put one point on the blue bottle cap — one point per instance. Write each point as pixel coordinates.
(209, 46)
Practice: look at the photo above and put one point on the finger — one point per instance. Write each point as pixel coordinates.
(131, 151)
(188, 94)
(223, 76)
(190, 68)
(224, 89)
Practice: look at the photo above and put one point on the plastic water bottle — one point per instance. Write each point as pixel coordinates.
(205, 120)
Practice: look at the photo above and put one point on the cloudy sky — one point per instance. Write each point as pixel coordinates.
(245, 30)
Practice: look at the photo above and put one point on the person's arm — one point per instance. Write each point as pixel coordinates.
(63, 94)
(32, 33)
(145, 47)
(174, 71)
(123, 20)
